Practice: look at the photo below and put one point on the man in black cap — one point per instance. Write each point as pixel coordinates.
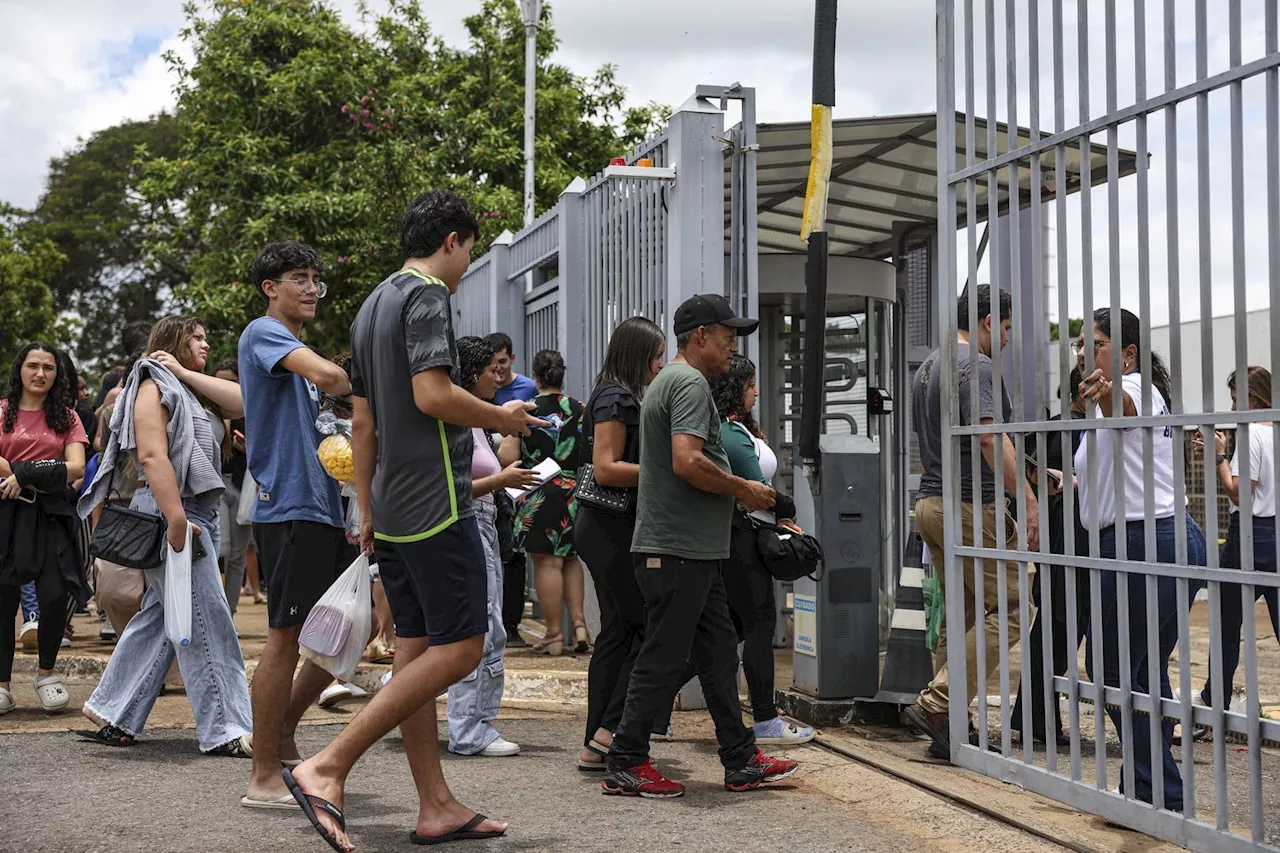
(684, 513)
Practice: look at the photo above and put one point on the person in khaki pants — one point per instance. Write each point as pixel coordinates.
(973, 364)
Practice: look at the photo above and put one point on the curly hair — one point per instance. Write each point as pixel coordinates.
(278, 258)
(57, 402)
(730, 392)
(474, 355)
(431, 218)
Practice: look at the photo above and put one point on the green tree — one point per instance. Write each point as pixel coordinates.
(1074, 325)
(28, 265)
(293, 125)
(93, 212)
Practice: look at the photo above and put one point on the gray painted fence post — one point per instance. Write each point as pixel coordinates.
(506, 300)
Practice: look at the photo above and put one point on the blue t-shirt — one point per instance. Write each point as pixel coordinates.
(280, 410)
(521, 388)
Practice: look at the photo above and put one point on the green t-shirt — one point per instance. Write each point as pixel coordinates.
(672, 517)
(740, 447)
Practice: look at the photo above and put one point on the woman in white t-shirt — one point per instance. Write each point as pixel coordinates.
(1103, 509)
(1262, 475)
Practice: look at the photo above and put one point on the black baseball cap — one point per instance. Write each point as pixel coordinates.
(710, 309)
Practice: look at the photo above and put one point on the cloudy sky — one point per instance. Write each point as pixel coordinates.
(81, 65)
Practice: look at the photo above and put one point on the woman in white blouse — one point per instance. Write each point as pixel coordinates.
(1103, 509)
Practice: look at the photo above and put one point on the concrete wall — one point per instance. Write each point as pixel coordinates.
(1223, 354)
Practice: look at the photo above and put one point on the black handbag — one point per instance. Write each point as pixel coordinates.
(126, 536)
(611, 499)
(785, 554)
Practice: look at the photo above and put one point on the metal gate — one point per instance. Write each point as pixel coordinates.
(1213, 225)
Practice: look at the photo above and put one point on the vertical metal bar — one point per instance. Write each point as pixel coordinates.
(1014, 279)
(1155, 663)
(950, 412)
(1206, 344)
(1172, 271)
(1117, 397)
(1065, 365)
(1273, 231)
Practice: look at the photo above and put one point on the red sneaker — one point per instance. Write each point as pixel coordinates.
(760, 769)
(641, 781)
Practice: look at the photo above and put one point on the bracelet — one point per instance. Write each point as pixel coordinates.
(1220, 459)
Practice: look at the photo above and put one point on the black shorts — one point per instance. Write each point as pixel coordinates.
(301, 560)
(437, 587)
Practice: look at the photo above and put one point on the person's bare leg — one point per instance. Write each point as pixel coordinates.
(271, 695)
(251, 575)
(549, 585)
(574, 590)
(307, 687)
(417, 683)
(438, 812)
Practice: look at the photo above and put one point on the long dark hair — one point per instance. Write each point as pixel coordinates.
(474, 356)
(1131, 335)
(57, 402)
(730, 392)
(548, 368)
(632, 348)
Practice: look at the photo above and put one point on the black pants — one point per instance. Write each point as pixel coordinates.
(1065, 649)
(53, 622)
(604, 543)
(686, 613)
(1230, 599)
(514, 572)
(749, 587)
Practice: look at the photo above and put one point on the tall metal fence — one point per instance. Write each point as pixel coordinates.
(1194, 89)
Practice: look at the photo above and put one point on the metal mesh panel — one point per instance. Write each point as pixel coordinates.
(624, 239)
(919, 295)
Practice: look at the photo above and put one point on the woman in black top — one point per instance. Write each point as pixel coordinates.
(611, 434)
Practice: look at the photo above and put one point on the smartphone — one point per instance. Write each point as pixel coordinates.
(1033, 467)
(28, 495)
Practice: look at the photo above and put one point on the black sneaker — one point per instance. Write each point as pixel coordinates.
(936, 726)
(515, 641)
(761, 768)
(233, 749)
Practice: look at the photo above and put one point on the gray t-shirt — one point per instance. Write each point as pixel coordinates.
(423, 481)
(672, 517)
(926, 415)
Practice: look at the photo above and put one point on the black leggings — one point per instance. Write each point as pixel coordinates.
(752, 604)
(53, 622)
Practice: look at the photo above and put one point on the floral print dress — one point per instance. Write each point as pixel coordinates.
(544, 519)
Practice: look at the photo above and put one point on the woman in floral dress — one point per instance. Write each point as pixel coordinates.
(544, 518)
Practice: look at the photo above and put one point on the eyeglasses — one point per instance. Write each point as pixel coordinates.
(304, 286)
(1077, 349)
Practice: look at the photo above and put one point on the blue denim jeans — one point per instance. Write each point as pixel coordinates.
(474, 701)
(211, 665)
(1231, 604)
(1166, 605)
(30, 605)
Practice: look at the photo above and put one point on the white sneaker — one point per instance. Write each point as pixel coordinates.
(386, 678)
(779, 731)
(30, 635)
(334, 694)
(357, 692)
(500, 748)
(6, 701)
(65, 643)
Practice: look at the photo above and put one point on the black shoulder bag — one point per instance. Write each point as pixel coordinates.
(125, 536)
(610, 499)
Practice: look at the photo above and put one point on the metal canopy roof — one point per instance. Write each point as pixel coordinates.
(884, 170)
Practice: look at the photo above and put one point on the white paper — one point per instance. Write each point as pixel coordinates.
(546, 469)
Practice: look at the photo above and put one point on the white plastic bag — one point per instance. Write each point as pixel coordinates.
(337, 629)
(248, 496)
(177, 592)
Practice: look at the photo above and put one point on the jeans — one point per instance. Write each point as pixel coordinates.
(235, 542)
(30, 604)
(687, 612)
(211, 665)
(1166, 605)
(474, 701)
(749, 587)
(1231, 604)
(604, 544)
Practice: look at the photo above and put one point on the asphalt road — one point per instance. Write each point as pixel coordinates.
(62, 796)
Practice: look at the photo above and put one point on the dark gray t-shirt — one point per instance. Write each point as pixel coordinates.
(926, 415)
(672, 517)
(423, 480)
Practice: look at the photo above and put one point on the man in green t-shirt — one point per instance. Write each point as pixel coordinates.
(684, 513)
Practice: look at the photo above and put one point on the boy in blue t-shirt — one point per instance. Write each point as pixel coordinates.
(511, 385)
(298, 524)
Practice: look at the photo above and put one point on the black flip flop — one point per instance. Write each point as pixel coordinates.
(309, 804)
(466, 832)
(108, 736)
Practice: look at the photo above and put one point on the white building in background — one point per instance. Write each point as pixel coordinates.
(1194, 359)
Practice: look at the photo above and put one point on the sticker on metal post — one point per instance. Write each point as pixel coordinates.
(806, 611)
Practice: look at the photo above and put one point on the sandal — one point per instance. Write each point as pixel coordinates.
(309, 803)
(581, 639)
(109, 736)
(555, 648)
(466, 832)
(53, 696)
(383, 654)
(241, 747)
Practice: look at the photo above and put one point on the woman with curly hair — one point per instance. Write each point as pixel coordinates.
(474, 701)
(42, 451)
(544, 517)
(747, 583)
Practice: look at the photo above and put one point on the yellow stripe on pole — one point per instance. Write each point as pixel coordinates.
(815, 197)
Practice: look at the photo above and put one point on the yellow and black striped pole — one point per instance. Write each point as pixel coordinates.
(813, 231)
